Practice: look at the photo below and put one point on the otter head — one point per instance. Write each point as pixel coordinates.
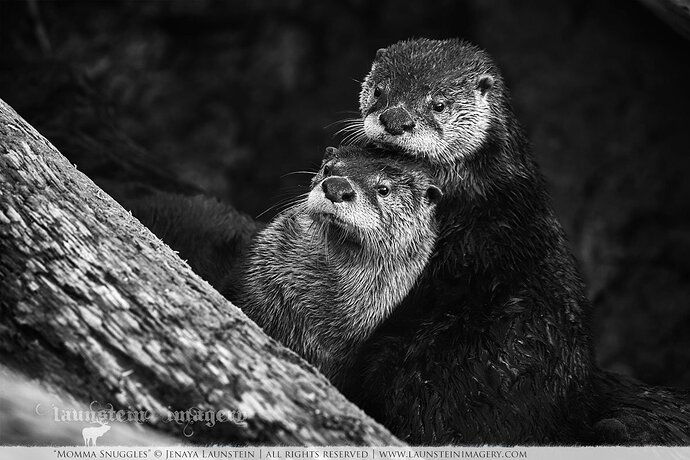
(373, 199)
(431, 98)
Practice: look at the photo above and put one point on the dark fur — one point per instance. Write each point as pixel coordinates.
(631, 413)
(211, 236)
(493, 345)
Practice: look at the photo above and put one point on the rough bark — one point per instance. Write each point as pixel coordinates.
(93, 304)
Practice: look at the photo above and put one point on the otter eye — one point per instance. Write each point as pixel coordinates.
(326, 171)
(377, 91)
(383, 190)
(438, 106)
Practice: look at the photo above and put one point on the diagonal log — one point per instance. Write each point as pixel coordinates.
(93, 304)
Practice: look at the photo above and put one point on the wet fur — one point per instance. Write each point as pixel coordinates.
(631, 413)
(493, 344)
(322, 290)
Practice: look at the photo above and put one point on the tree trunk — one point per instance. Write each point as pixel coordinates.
(93, 304)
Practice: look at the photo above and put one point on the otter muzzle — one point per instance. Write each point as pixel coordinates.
(338, 189)
(396, 121)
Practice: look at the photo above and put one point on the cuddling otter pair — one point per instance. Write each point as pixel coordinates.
(456, 317)
(491, 343)
(329, 270)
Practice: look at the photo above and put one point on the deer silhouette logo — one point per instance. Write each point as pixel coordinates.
(91, 433)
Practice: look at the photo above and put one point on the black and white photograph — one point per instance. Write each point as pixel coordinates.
(345, 229)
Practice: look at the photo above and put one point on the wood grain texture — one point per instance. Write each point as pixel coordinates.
(94, 304)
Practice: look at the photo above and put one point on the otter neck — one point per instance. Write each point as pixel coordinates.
(491, 195)
(367, 283)
(376, 278)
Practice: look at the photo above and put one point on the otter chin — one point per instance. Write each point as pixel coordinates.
(332, 225)
(327, 271)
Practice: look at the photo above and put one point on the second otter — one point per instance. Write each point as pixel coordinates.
(326, 272)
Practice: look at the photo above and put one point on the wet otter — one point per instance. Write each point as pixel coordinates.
(493, 343)
(331, 268)
(325, 272)
(501, 309)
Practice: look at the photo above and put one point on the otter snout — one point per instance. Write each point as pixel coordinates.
(396, 121)
(338, 189)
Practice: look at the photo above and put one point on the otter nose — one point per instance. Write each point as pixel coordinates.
(396, 121)
(338, 189)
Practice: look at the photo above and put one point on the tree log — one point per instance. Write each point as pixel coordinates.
(95, 305)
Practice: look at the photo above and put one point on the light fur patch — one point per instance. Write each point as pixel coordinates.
(358, 213)
(463, 132)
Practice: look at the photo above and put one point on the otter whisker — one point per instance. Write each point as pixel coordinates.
(347, 134)
(292, 202)
(349, 121)
(356, 139)
(312, 173)
(355, 126)
(284, 203)
(291, 191)
(354, 136)
(290, 197)
(346, 121)
(348, 130)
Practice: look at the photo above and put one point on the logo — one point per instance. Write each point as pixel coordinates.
(101, 417)
(91, 433)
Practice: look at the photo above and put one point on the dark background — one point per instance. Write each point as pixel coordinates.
(232, 96)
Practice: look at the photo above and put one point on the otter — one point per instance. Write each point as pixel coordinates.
(501, 309)
(328, 270)
(492, 345)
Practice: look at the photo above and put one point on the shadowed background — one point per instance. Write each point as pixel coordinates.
(232, 96)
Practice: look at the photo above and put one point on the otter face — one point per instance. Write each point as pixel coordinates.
(371, 198)
(430, 98)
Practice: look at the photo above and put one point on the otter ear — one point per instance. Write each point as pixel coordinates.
(330, 153)
(434, 194)
(380, 53)
(485, 83)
